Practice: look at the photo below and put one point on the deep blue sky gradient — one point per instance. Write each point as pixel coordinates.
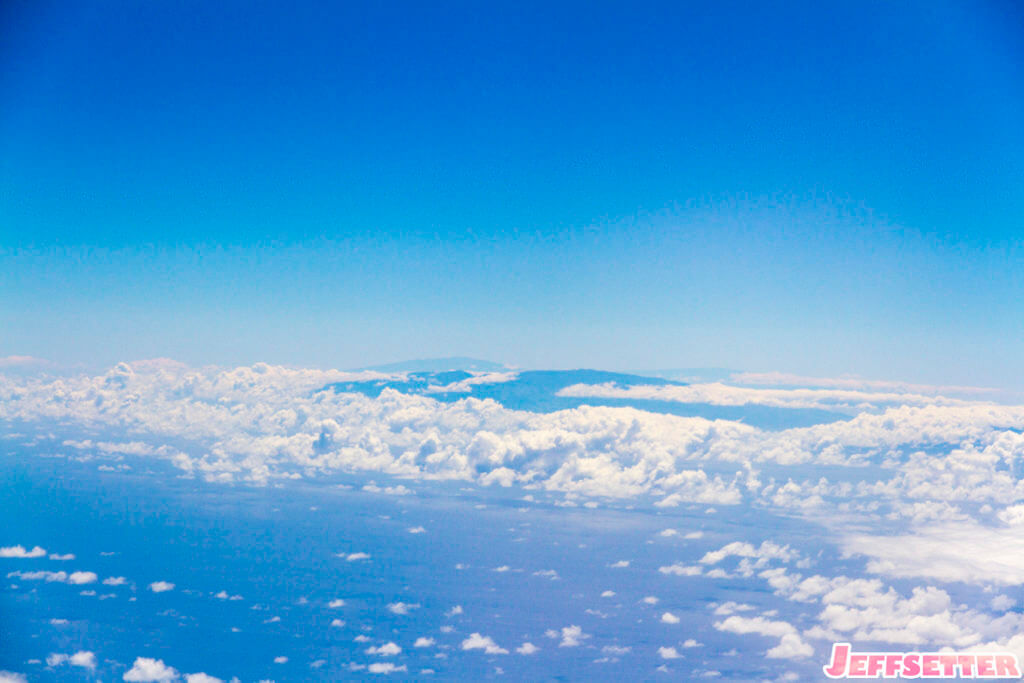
(810, 187)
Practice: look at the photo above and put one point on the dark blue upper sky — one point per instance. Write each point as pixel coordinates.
(823, 187)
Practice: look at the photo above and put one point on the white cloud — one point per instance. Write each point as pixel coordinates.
(967, 552)
(202, 678)
(385, 668)
(75, 578)
(337, 623)
(417, 530)
(669, 618)
(161, 586)
(12, 677)
(621, 564)
(668, 653)
(62, 558)
(147, 670)
(571, 636)
(336, 603)
(388, 649)
(280, 660)
(82, 577)
(19, 551)
(766, 551)
(115, 581)
(84, 659)
(527, 648)
(725, 395)
(402, 607)
(423, 641)
(790, 646)
(355, 557)
(477, 641)
(681, 570)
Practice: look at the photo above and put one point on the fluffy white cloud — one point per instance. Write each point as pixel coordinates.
(147, 670)
(84, 659)
(725, 395)
(477, 641)
(527, 649)
(790, 646)
(679, 569)
(967, 552)
(669, 618)
(202, 678)
(402, 607)
(19, 551)
(385, 668)
(76, 578)
(388, 649)
(571, 636)
(355, 557)
(161, 586)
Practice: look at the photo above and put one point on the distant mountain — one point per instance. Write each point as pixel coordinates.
(691, 375)
(538, 391)
(440, 365)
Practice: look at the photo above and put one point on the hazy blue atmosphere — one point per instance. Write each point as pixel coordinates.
(813, 188)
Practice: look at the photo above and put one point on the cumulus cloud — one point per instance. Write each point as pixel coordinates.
(402, 607)
(477, 641)
(147, 670)
(790, 646)
(669, 618)
(679, 569)
(355, 557)
(965, 552)
(161, 586)
(385, 668)
(75, 578)
(570, 636)
(725, 395)
(202, 678)
(19, 551)
(388, 649)
(527, 649)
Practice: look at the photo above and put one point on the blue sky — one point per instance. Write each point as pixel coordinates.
(802, 188)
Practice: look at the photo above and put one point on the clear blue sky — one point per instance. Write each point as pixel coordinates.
(810, 187)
